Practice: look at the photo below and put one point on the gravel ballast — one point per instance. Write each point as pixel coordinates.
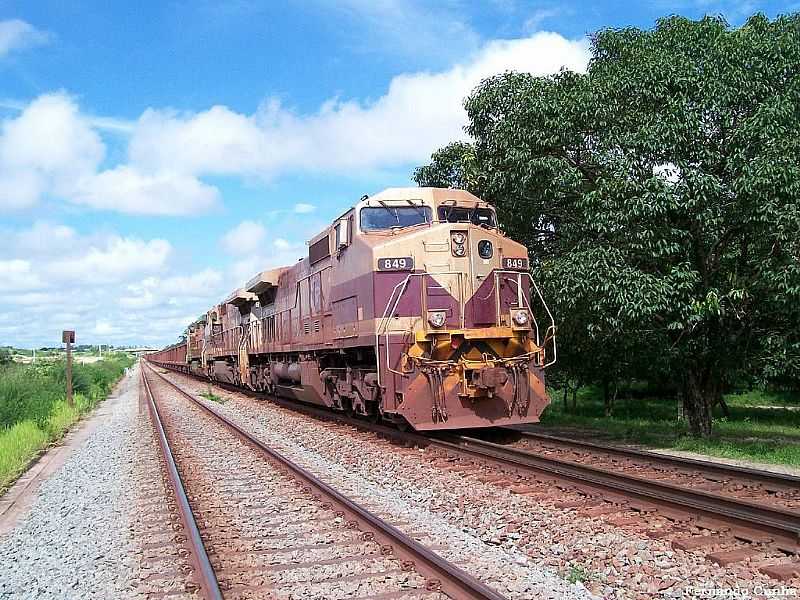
(372, 474)
(548, 540)
(74, 542)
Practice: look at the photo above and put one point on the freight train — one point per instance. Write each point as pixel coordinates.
(412, 307)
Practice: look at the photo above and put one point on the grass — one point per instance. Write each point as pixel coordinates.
(753, 432)
(577, 573)
(209, 395)
(34, 411)
(18, 444)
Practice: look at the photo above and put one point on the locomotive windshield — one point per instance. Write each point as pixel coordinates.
(463, 214)
(385, 217)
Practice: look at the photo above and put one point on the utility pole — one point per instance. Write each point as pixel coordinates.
(34, 356)
(68, 337)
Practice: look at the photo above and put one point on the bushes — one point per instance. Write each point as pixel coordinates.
(34, 410)
(29, 392)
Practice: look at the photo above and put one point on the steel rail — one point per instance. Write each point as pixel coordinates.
(209, 586)
(783, 525)
(441, 574)
(760, 475)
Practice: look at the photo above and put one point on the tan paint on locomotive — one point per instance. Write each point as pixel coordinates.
(337, 303)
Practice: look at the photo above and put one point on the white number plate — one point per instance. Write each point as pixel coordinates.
(404, 263)
(516, 264)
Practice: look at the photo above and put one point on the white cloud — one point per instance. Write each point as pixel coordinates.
(51, 149)
(196, 285)
(303, 208)
(19, 189)
(45, 238)
(105, 328)
(128, 190)
(49, 255)
(116, 260)
(216, 141)
(246, 238)
(111, 288)
(19, 35)
(418, 113)
(46, 148)
(109, 124)
(175, 290)
(17, 275)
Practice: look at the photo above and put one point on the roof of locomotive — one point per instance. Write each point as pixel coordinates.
(239, 297)
(264, 280)
(430, 196)
(427, 195)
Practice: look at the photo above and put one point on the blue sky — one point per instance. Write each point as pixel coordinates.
(154, 155)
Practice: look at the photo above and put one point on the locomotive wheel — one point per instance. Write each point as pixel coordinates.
(374, 413)
(347, 406)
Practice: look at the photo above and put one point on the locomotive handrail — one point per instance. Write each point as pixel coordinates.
(550, 332)
(220, 344)
(384, 321)
(520, 299)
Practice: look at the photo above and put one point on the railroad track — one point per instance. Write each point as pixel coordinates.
(710, 471)
(754, 526)
(749, 516)
(259, 525)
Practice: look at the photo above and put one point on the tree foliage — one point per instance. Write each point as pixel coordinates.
(659, 193)
(451, 166)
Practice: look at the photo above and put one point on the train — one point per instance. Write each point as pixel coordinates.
(412, 307)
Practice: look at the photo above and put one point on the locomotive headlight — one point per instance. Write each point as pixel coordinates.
(437, 318)
(458, 239)
(521, 318)
(485, 249)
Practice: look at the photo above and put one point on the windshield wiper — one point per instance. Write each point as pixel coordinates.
(447, 212)
(419, 209)
(394, 214)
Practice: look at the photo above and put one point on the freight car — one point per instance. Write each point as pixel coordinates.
(412, 306)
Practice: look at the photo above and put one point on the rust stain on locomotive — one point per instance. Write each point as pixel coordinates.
(413, 304)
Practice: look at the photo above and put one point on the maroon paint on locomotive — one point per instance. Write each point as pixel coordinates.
(432, 336)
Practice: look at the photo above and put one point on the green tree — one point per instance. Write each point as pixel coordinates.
(451, 166)
(659, 193)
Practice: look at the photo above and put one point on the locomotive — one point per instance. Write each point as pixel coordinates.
(412, 307)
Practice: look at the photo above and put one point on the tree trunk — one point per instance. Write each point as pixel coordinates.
(575, 398)
(724, 406)
(566, 391)
(606, 398)
(720, 401)
(699, 393)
